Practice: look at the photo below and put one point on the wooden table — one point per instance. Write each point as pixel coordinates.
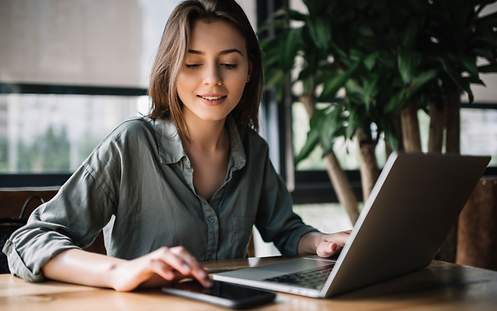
(442, 286)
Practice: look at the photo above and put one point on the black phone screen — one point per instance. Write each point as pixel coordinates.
(226, 294)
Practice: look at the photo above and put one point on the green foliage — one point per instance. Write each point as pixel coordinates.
(4, 153)
(48, 152)
(384, 54)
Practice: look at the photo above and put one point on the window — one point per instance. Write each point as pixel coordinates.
(70, 72)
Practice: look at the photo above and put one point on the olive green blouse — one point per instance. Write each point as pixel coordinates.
(137, 187)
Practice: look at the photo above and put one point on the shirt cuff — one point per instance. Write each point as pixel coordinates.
(293, 241)
(18, 267)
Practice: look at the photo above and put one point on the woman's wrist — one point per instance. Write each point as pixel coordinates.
(112, 273)
(309, 242)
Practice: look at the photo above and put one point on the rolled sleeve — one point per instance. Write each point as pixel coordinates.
(72, 219)
(31, 271)
(276, 220)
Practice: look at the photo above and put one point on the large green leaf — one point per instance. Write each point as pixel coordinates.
(316, 7)
(353, 123)
(291, 46)
(490, 68)
(370, 60)
(407, 62)
(330, 128)
(396, 102)
(319, 32)
(313, 135)
(421, 79)
(458, 81)
(469, 64)
(289, 14)
(370, 90)
(472, 80)
(311, 142)
(335, 82)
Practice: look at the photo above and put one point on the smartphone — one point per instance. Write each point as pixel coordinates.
(221, 293)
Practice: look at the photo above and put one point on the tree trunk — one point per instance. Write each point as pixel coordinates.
(342, 187)
(397, 125)
(309, 104)
(449, 247)
(437, 126)
(368, 163)
(453, 123)
(410, 129)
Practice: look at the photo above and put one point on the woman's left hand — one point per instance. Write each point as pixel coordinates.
(329, 244)
(324, 245)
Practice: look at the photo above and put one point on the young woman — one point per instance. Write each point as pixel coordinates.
(194, 173)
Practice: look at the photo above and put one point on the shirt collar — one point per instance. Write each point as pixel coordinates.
(171, 148)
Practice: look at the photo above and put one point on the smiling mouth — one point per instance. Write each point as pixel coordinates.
(212, 100)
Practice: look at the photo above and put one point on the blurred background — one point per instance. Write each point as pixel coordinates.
(72, 70)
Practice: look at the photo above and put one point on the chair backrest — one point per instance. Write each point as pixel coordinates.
(16, 204)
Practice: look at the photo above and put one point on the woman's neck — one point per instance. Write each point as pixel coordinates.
(205, 136)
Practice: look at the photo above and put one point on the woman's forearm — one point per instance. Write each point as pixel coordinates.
(82, 267)
(158, 268)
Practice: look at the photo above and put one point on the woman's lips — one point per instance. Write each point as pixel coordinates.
(212, 100)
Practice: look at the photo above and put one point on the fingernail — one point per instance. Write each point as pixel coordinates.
(202, 273)
(186, 267)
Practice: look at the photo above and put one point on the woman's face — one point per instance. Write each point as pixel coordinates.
(214, 72)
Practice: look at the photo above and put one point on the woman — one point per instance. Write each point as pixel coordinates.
(194, 173)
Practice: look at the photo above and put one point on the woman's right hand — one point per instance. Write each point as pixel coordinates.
(160, 267)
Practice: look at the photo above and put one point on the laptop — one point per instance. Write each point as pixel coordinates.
(413, 205)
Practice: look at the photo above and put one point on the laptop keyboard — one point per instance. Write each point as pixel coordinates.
(314, 278)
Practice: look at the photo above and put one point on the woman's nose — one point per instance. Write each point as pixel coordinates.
(212, 76)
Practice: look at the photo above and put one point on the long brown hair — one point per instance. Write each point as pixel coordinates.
(173, 48)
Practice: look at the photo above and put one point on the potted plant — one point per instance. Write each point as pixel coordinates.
(363, 69)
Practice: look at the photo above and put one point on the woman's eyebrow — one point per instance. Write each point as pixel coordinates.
(227, 51)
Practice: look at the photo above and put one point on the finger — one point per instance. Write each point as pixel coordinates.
(326, 249)
(339, 238)
(186, 256)
(163, 269)
(176, 262)
(198, 271)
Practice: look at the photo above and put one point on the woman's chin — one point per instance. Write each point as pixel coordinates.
(211, 117)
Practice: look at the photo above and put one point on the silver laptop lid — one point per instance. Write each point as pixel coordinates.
(413, 205)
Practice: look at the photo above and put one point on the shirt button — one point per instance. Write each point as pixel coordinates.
(211, 219)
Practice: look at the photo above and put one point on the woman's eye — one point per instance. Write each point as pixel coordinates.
(229, 66)
(192, 65)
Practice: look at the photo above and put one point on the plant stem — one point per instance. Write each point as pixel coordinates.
(453, 123)
(342, 186)
(309, 104)
(368, 163)
(410, 129)
(437, 125)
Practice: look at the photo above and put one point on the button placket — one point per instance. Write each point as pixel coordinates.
(212, 230)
